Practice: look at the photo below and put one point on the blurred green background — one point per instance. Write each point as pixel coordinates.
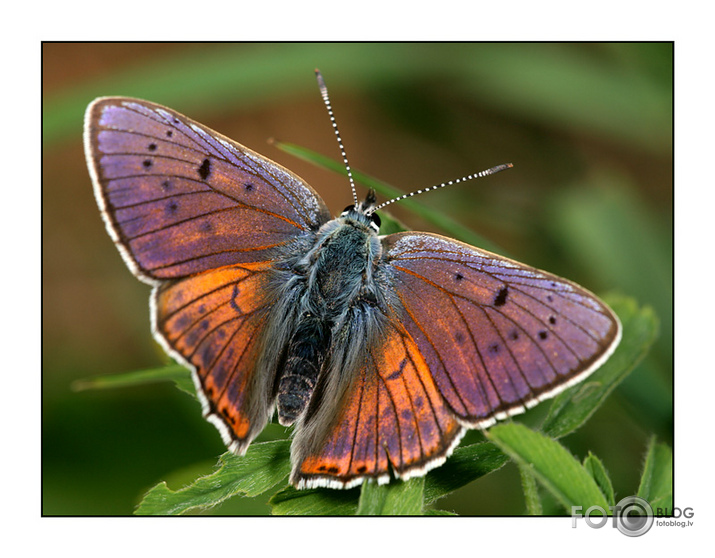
(587, 126)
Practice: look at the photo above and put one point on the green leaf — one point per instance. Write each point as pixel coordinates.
(572, 408)
(467, 463)
(552, 464)
(595, 468)
(173, 372)
(396, 498)
(656, 484)
(263, 466)
(446, 223)
(315, 501)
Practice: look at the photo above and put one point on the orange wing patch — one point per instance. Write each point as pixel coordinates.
(213, 321)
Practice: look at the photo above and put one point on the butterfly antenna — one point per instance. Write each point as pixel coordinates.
(487, 172)
(326, 100)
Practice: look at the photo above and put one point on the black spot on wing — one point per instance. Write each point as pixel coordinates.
(205, 169)
(171, 207)
(500, 298)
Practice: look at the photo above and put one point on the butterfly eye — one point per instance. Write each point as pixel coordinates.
(347, 209)
(375, 218)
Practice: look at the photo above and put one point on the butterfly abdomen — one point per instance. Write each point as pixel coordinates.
(305, 356)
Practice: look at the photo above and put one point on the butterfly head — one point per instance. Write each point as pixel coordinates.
(364, 212)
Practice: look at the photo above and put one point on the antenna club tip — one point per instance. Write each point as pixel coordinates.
(321, 82)
(500, 168)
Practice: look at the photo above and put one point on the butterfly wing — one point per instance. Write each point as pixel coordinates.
(214, 323)
(179, 198)
(391, 415)
(497, 336)
(199, 216)
(471, 338)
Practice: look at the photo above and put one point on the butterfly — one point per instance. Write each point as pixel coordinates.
(380, 350)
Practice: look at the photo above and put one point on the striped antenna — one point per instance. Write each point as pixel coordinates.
(326, 100)
(487, 172)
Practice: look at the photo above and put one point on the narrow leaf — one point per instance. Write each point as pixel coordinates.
(395, 498)
(552, 464)
(595, 468)
(263, 466)
(173, 372)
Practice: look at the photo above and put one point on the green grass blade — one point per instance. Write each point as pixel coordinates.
(263, 467)
(173, 372)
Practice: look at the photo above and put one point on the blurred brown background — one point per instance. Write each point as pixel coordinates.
(587, 126)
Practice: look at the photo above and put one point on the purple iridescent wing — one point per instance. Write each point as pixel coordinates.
(497, 336)
(179, 198)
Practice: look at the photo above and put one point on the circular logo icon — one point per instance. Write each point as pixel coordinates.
(633, 516)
